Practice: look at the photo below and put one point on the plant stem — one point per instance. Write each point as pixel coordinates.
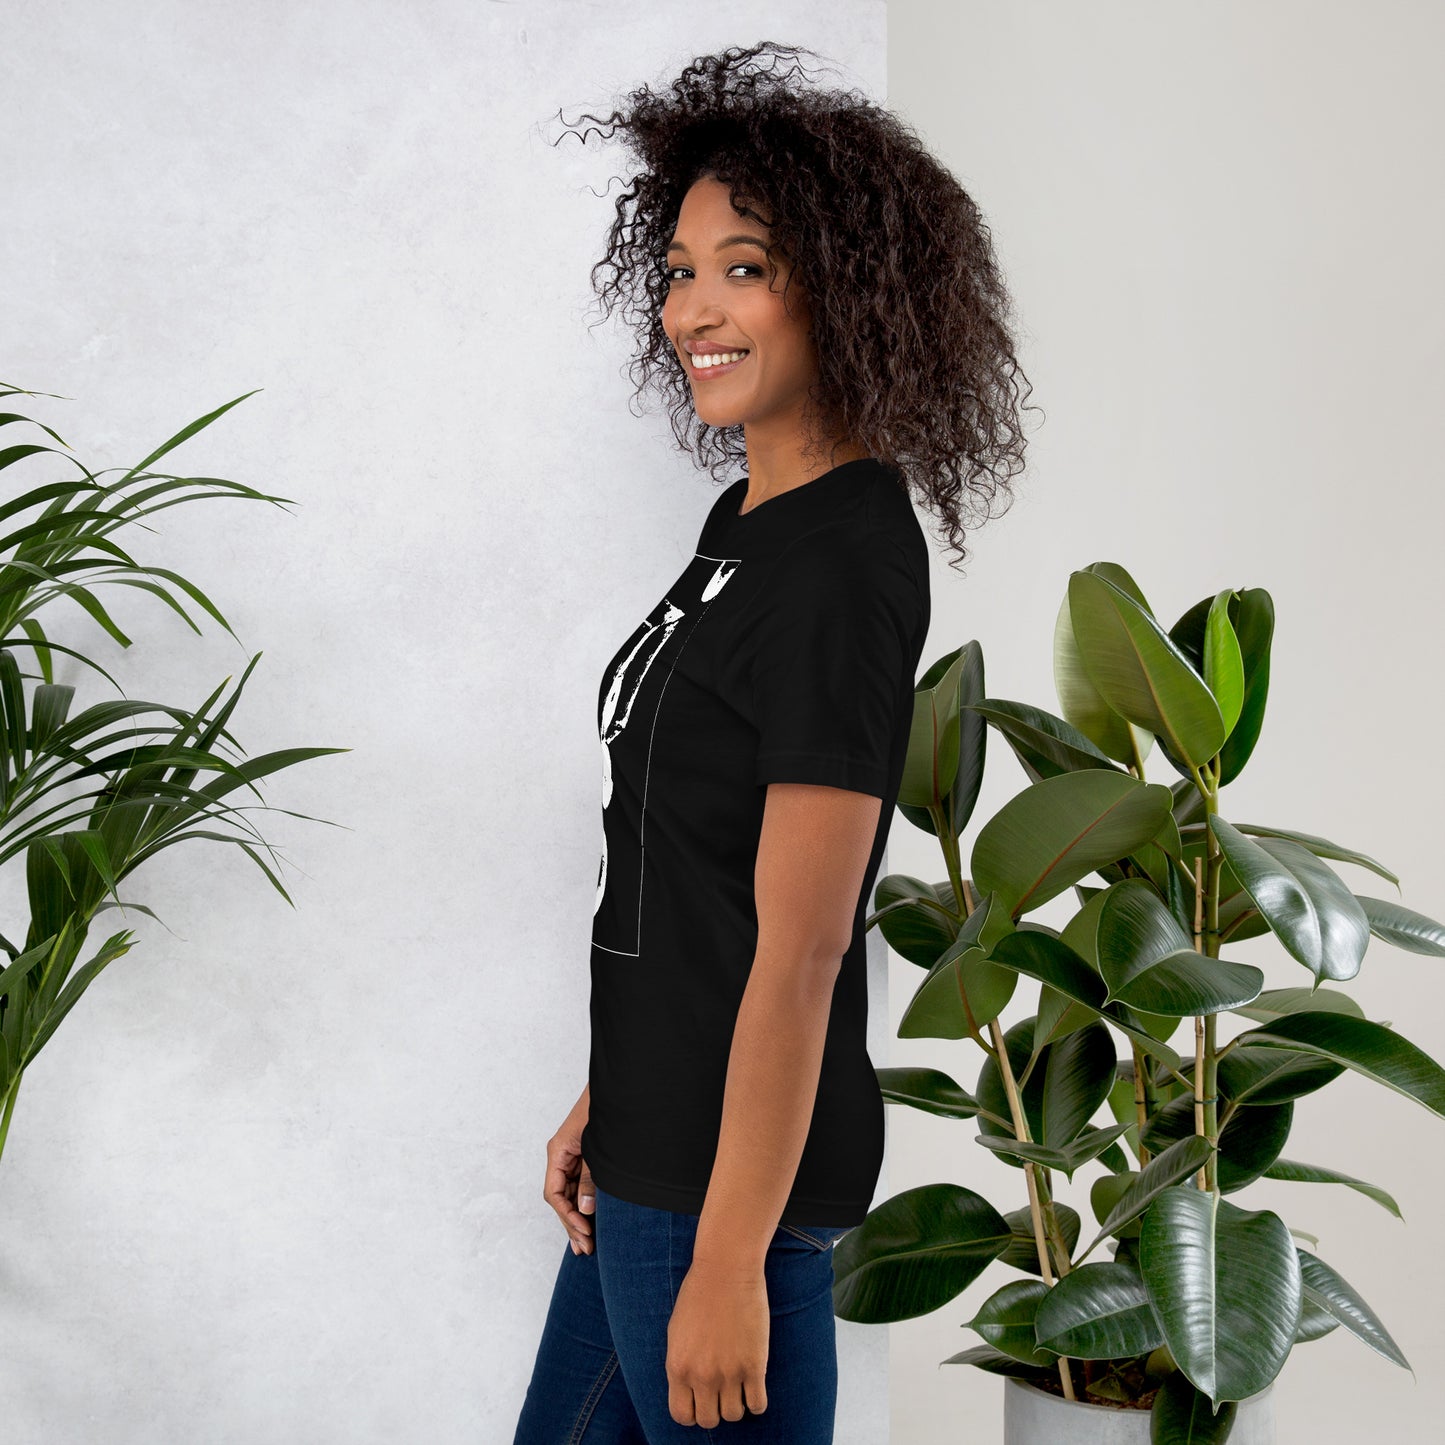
(10, 1094)
(1206, 941)
(1036, 1213)
(1141, 1104)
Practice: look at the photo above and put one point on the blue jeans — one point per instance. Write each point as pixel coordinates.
(601, 1372)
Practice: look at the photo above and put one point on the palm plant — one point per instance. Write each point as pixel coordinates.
(87, 798)
(1203, 1298)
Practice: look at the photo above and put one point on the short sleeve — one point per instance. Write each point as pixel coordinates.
(829, 661)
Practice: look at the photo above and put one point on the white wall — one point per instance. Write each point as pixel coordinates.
(1223, 226)
(278, 1178)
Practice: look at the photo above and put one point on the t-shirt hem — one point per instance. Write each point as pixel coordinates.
(833, 771)
(688, 1199)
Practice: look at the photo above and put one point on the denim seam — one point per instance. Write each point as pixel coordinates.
(589, 1405)
(803, 1234)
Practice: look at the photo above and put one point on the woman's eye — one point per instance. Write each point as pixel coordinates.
(668, 272)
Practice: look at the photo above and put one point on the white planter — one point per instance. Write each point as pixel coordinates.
(1035, 1417)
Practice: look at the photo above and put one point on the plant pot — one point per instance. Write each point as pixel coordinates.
(1032, 1416)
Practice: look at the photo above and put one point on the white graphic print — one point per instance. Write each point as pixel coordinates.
(632, 690)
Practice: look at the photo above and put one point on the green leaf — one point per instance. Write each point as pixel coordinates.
(1304, 902)
(1053, 962)
(1083, 705)
(931, 764)
(915, 1252)
(963, 987)
(1223, 663)
(1275, 1003)
(1254, 1074)
(1403, 926)
(1225, 1284)
(992, 1360)
(1098, 1312)
(1089, 1145)
(1059, 830)
(1181, 1159)
(1360, 1044)
(1327, 1288)
(949, 746)
(1006, 1320)
(914, 921)
(1315, 1321)
(1044, 744)
(1181, 1415)
(1249, 1142)
(1023, 1250)
(1320, 847)
(1077, 1078)
(931, 1090)
(1316, 1174)
(1140, 672)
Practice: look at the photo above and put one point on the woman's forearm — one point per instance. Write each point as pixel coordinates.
(772, 1085)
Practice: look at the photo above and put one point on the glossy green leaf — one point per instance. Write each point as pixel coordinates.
(1060, 830)
(1327, 1288)
(1054, 963)
(1275, 1003)
(1077, 1079)
(1292, 1169)
(992, 1360)
(1098, 1311)
(1256, 1074)
(931, 1090)
(912, 918)
(1223, 670)
(1402, 926)
(915, 1252)
(1248, 1144)
(1182, 1415)
(1088, 1145)
(993, 1096)
(1182, 1159)
(1083, 705)
(958, 752)
(1315, 1321)
(1225, 1284)
(963, 987)
(1360, 1044)
(1044, 744)
(1320, 847)
(1304, 902)
(1023, 1250)
(1140, 672)
(931, 764)
(1005, 1320)
(1251, 614)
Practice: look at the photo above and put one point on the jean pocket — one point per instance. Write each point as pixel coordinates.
(817, 1236)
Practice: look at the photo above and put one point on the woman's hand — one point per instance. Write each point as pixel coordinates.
(717, 1345)
(568, 1187)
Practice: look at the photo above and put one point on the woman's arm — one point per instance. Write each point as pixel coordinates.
(812, 852)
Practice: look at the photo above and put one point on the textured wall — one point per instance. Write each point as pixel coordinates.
(1223, 229)
(278, 1178)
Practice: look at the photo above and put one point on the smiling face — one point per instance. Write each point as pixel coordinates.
(726, 295)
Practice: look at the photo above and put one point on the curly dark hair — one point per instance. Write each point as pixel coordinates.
(909, 310)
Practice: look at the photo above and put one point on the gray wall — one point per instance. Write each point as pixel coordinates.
(278, 1178)
(1223, 226)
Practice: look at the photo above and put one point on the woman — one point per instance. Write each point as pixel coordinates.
(817, 298)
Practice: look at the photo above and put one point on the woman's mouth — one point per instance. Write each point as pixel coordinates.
(705, 365)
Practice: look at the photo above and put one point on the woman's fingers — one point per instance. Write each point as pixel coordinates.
(560, 1190)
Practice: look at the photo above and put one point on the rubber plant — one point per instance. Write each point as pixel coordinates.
(1202, 1298)
(86, 797)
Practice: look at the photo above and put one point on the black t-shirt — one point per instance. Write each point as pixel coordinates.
(787, 651)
